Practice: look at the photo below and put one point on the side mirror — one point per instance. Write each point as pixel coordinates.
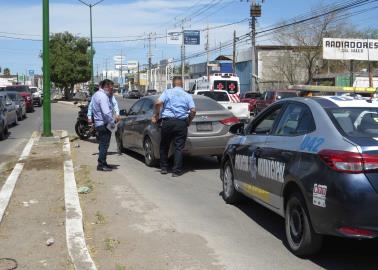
(237, 129)
(123, 113)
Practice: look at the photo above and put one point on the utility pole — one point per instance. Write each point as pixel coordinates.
(106, 68)
(46, 71)
(369, 67)
(182, 24)
(234, 52)
(255, 12)
(149, 56)
(207, 48)
(351, 73)
(91, 88)
(121, 68)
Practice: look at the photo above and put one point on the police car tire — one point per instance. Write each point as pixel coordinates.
(232, 196)
(310, 242)
(149, 158)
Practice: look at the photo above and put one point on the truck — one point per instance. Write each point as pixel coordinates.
(240, 110)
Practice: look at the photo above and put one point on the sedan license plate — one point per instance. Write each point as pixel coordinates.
(206, 126)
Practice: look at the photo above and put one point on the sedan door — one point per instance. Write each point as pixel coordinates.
(143, 119)
(129, 132)
(249, 152)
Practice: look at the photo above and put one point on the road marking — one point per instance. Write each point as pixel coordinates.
(76, 245)
(9, 185)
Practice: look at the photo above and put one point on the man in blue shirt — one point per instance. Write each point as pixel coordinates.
(177, 112)
(103, 116)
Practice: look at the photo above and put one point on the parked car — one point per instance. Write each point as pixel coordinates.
(271, 96)
(240, 110)
(314, 161)
(3, 123)
(135, 94)
(37, 96)
(25, 93)
(10, 110)
(20, 104)
(207, 135)
(151, 92)
(250, 98)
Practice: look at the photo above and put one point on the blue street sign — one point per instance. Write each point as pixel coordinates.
(31, 72)
(192, 37)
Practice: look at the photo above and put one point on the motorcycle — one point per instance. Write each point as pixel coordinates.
(83, 128)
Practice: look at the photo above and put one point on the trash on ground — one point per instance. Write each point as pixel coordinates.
(50, 242)
(84, 190)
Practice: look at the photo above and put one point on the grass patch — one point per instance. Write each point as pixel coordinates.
(100, 218)
(83, 175)
(120, 267)
(111, 244)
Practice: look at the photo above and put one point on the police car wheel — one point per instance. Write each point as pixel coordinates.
(300, 236)
(149, 156)
(230, 194)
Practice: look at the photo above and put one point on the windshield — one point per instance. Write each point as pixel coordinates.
(17, 88)
(217, 96)
(12, 96)
(33, 90)
(357, 122)
(252, 95)
(230, 86)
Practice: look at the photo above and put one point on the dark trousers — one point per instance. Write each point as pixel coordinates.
(104, 136)
(173, 130)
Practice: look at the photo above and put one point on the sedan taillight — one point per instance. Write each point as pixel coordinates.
(230, 121)
(349, 162)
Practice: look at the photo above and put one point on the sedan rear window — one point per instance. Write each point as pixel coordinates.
(356, 122)
(204, 104)
(18, 88)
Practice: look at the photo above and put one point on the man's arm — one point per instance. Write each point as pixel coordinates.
(106, 110)
(157, 108)
(116, 109)
(192, 110)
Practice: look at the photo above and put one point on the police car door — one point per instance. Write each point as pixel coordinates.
(249, 151)
(280, 157)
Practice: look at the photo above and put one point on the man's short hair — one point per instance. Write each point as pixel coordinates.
(176, 79)
(106, 82)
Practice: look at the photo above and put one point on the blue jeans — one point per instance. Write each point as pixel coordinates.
(104, 136)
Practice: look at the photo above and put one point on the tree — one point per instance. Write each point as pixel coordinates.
(69, 61)
(6, 72)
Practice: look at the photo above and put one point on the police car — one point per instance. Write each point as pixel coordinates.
(313, 161)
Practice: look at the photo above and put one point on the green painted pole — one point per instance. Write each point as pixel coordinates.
(92, 72)
(46, 71)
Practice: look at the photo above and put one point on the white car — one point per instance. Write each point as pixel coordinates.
(239, 109)
(37, 96)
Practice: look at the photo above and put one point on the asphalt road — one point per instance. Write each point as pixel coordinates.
(246, 236)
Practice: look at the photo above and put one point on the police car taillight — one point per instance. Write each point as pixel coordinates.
(349, 162)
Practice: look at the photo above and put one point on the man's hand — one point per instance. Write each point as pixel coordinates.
(90, 121)
(155, 119)
(117, 118)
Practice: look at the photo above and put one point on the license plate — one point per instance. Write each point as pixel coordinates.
(207, 126)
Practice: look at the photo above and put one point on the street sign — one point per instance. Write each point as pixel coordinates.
(31, 72)
(132, 65)
(350, 49)
(192, 37)
(118, 59)
(174, 37)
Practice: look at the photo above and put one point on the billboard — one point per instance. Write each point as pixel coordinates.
(350, 49)
(192, 37)
(174, 37)
(131, 64)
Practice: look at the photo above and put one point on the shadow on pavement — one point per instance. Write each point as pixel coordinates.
(336, 254)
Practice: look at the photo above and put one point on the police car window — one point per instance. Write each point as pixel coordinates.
(265, 125)
(296, 120)
(356, 122)
(135, 109)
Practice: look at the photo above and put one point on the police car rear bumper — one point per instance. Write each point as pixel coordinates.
(350, 208)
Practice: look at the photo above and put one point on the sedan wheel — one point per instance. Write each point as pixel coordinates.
(230, 194)
(300, 236)
(149, 156)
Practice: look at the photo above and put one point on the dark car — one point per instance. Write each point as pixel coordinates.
(271, 96)
(20, 104)
(151, 92)
(207, 135)
(9, 109)
(25, 93)
(135, 94)
(313, 161)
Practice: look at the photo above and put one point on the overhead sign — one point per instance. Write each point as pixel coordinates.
(192, 37)
(132, 65)
(174, 37)
(118, 59)
(350, 49)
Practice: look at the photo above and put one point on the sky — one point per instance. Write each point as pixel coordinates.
(117, 20)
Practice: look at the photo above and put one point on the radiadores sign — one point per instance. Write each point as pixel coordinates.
(350, 49)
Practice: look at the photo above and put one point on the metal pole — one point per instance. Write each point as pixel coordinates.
(234, 52)
(351, 73)
(92, 75)
(46, 71)
(253, 53)
(183, 56)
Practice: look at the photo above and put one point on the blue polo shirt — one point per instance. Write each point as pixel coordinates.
(176, 103)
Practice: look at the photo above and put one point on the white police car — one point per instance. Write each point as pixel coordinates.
(313, 161)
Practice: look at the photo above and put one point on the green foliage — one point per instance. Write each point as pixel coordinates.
(69, 61)
(6, 72)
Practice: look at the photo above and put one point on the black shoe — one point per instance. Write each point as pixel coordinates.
(164, 171)
(111, 166)
(177, 174)
(104, 168)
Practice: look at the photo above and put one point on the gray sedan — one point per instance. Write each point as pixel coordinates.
(9, 108)
(20, 104)
(208, 134)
